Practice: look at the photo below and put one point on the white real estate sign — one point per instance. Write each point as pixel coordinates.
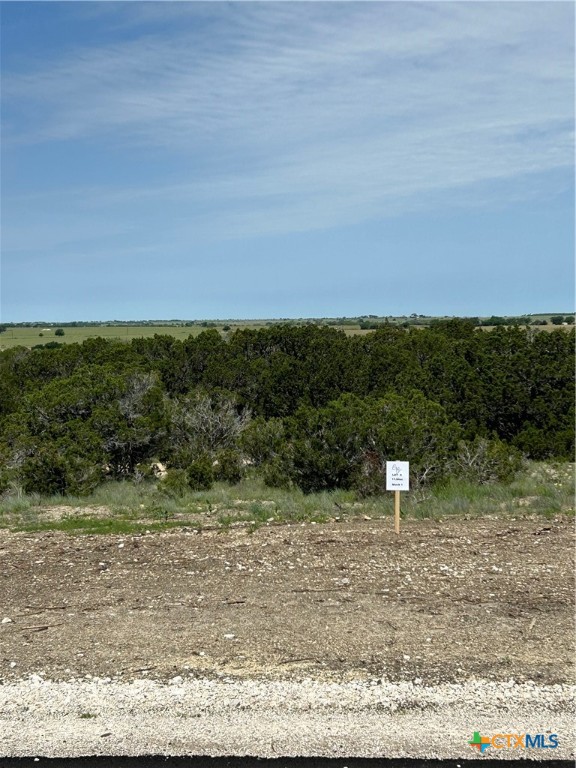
(397, 475)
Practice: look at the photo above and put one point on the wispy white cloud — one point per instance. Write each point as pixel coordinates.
(299, 116)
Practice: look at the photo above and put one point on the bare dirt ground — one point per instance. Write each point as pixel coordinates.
(443, 602)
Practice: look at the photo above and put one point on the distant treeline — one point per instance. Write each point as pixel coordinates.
(477, 322)
(365, 322)
(301, 404)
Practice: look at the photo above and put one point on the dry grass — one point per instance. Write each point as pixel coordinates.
(541, 489)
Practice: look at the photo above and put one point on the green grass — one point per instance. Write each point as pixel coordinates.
(79, 525)
(541, 489)
(29, 337)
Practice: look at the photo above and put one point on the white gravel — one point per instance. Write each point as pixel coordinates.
(377, 718)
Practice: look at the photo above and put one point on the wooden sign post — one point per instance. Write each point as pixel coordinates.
(397, 479)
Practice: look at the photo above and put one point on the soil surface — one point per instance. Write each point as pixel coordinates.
(443, 602)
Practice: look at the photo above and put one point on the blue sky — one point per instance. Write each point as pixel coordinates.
(207, 160)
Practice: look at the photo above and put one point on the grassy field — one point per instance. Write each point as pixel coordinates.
(27, 336)
(540, 489)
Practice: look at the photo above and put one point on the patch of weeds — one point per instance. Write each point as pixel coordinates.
(545, 490)
(87, 716)
(18, 504)
(260, 512)
(226, 521)
(82, 525)
(159, 511)
(253, 526)
(318, 517)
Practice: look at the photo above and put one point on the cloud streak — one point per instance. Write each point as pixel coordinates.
(292, 117)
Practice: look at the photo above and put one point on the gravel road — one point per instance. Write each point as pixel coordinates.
(229, 717)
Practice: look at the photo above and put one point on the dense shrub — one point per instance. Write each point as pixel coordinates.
(230, 467)
(486, 461)
(278, 472)
(305, 404)
(347, 443)
(262, 440)
(175, 483)
(201, 474)
(49, 472)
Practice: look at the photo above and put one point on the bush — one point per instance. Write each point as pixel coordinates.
(347, 443)
(181, 458)
(203, 424)
(201, 474)
(82, 476)
(4, 482)
(175, 483)
(486, 461)
(262, 440)
(542, 444)
(277, 474)
(57, 467)
(229, 468)
(59, 332)
(370, 477)
(44, 473)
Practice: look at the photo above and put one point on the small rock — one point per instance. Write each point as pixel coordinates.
(6, 620)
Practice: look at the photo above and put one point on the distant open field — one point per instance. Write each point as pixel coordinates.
(28, 336)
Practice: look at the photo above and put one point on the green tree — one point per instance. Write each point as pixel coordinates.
(83, 424)
(347, 443)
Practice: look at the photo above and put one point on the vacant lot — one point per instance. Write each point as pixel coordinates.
(445, 601)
